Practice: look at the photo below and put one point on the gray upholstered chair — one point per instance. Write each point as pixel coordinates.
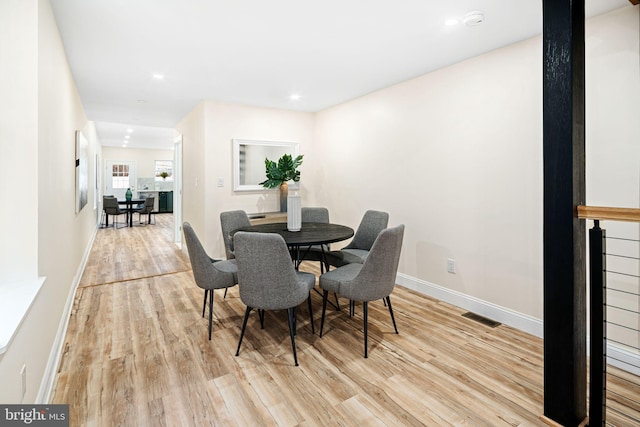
(111, 207)
(372, 223)
(267, 280)
(231, 221)
(372, 280)
(146, 209)
(208, 273)
(315, 253)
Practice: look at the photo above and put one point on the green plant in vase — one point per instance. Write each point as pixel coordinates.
(278, 174)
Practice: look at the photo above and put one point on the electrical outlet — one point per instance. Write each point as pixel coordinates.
(451, 266)
(23, 375)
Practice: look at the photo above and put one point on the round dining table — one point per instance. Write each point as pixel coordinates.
(310, 234)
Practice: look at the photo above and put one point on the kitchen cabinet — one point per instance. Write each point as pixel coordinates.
(165, 201)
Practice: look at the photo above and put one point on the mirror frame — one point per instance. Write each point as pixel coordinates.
(237, 186)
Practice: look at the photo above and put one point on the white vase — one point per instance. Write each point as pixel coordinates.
(294, 213)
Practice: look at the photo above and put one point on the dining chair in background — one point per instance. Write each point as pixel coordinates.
(231, 221)
(267, 280)
(111, 207)
(372, 223)
(103, 217)
(145, 209)
(315, 252)
(208, 273)
(372, 280)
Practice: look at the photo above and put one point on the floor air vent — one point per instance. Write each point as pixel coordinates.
(488, 322)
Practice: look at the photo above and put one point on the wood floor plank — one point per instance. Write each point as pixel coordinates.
(242, 402)
(137, 352)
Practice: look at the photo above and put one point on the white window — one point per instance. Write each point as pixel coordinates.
(164, 170)
(120, 176)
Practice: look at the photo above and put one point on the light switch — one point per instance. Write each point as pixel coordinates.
(220, 182)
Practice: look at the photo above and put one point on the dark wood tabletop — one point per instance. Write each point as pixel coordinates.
(130, 202)
(311, 233)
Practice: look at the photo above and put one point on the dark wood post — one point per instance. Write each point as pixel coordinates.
(565, 376)
(598, 327)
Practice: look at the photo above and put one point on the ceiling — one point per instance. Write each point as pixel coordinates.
(145, 64)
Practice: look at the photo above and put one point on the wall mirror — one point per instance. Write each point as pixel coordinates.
(248, 162)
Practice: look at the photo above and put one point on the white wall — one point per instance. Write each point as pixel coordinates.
(18, 137)
(456, 155)
(612, 96)
(43, 149)
(222, 123)
(192, 128)
(613, 151)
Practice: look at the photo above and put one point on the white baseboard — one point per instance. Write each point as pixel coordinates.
(48, 379)
(489, 310)
(616, 356)
(623, 359)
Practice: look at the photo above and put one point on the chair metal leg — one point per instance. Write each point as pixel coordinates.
(210, 312)
(225, 293)
(393, 319)
(313, 329)
(291, 314)
(336, 305)
(365, 314)
(295, 322)
(324, 309)
(244, 326)
(115, 221)
(261, 316)
(204, 303)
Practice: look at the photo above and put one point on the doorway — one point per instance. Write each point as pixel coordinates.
(177, 191)
(119, 175)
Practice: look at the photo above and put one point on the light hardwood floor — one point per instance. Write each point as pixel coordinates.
(136, 354)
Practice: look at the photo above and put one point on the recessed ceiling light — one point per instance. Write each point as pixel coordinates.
(294, 96)
(141, 101)
(129, 130)
(127, 136)
(451, 22)
(158, 76)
